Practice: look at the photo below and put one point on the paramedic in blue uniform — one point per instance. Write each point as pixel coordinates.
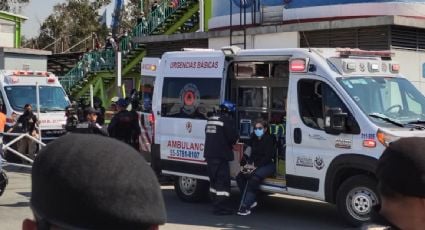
(221, 135)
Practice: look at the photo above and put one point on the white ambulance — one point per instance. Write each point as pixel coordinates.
(149, 71)
(340, 109)
(18, 88)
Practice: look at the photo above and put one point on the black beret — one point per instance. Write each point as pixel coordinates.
(93, 182)
(402, 167)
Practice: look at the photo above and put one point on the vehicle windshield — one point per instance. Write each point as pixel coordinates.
(51, 98)
(387, 100)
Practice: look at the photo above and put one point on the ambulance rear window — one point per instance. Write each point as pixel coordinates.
(190, 97)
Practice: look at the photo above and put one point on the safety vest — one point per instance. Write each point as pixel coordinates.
(278, 130)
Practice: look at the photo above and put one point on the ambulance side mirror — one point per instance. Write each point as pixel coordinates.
(335, 121)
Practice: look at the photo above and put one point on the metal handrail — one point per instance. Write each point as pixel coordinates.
(54, 42)
(95, 61)
(19, 136)
(78, 43)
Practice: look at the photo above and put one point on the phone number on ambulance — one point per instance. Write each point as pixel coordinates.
(184, 153)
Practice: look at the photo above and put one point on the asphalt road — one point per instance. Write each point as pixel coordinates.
(273, 212)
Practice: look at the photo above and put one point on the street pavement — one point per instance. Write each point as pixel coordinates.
(273, 212)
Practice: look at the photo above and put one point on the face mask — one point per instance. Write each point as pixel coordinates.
(259, 132)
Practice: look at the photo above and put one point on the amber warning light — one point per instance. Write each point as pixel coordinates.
(298, 66)
(369, 143)
(150, 67)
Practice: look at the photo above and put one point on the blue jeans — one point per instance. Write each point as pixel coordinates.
(253, 181)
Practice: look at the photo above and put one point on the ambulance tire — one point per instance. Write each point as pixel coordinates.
(355, 198)
(190, 189)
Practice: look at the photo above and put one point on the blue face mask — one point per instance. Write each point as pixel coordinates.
(259, 132)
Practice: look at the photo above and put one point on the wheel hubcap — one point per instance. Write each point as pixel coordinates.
(360, 202)
(187, 185)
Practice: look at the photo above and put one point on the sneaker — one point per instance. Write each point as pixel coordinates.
(244, 211)
(253, 205)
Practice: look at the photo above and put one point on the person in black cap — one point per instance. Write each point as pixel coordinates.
(123, 125)
(90, 125)
(401, 185)
(220, 136)
(79, 181)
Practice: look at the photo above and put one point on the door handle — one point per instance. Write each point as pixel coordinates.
(297, 136)
(158, 113)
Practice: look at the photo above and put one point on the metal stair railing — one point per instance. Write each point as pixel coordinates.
(91, 62)
(95, 61)
(155, 20)
(78, 43)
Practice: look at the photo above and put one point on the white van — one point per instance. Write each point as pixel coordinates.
(19, 88)
(340, 109)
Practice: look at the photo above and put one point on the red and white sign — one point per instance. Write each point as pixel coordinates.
(190, 150)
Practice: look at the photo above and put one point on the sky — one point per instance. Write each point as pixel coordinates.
(37, 11)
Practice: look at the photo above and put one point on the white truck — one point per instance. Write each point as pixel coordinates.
(18, 87)
(340, 109)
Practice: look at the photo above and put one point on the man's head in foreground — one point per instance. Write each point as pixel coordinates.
(401, 175)
(84, 181)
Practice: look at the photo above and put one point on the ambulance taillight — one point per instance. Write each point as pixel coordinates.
(298, 66)
(151, 118)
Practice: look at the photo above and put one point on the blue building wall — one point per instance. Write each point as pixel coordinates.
(222, 7)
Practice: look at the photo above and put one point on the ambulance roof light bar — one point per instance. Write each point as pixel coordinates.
(28, 73)
(347, 52)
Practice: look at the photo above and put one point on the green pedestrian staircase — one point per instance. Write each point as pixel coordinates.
(98, 68)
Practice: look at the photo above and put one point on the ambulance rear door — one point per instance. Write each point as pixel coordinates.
(149, 72)
(188, 89)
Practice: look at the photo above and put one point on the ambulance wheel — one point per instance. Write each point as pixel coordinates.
(190, 189)
(355, 198)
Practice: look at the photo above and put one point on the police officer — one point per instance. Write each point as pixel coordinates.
(221, 135)
(123, 125)
(90, 125)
